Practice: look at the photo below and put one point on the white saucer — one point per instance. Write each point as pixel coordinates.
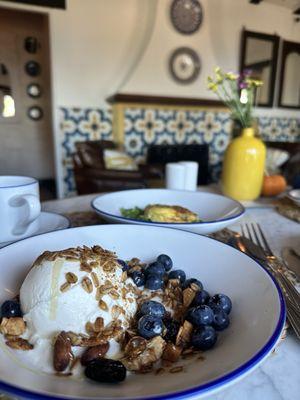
(47, 222)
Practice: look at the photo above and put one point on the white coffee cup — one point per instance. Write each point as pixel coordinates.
(19, 206)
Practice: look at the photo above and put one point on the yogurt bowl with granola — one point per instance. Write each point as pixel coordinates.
(131, 312)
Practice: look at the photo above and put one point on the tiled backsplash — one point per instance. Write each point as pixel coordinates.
(143, 127)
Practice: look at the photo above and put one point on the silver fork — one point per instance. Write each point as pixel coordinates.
(292, 297)
(256, 235)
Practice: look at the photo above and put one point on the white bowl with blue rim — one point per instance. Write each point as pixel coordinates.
(257, 316)
(216, 212)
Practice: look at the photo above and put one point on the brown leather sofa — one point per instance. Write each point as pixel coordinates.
(91, 176)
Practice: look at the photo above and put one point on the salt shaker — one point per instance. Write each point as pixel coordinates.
(191, 174)
(175, 176)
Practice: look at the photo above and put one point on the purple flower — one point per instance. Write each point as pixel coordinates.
(243, 85)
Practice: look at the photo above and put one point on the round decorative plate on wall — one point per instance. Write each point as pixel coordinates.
(186, 16)
(184, 65)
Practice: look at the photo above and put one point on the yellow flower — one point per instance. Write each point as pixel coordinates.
(213, 86)
(217, 70)
(209, 79)
(231, 76)
(254, 82)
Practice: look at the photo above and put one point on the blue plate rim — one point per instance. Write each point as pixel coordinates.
(201, 389)
(167, 224)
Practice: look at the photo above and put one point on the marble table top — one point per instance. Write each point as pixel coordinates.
(278, 377)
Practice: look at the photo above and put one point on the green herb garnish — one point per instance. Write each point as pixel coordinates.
(133, 213)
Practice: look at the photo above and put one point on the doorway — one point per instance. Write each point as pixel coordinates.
(26, 144)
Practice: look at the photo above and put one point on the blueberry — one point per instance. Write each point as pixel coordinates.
(172, 328)
(154, 282)
(155, 268)
(152, 307)
(11, 308)
(200, 315)
(150, 326)
(166, 261)
(188, 282)
(138, 278)
(124, 265)
(221, 320)
(201, 297)
(222, 301)
(106, 370)
(204, 337)
(178, 274)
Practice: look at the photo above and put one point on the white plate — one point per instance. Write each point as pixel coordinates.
(47, 222)
(215, 211)
(257, 317)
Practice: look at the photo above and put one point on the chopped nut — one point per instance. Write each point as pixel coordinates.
(188, 296)
(104, 289)
(103, 305)
(171, 352)
(94, 352)
(135, 346)
(62, 352)
(194, 287)
(92, 341)
(99, 324)
(94, 264)
(89, 327)
(184, 334)
(114, 294)
(148, 357)
(98, 294)
(84, 266)
(71, 277)
(75, 338)
(12, 326)
(124, 276)
(87, 284)
(95, 279)
(174, 370)
(116, 311)
(19, 344)
(65, 286)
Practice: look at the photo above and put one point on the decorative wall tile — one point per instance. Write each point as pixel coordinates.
(157, 126)
(143, 127)
(80, 125)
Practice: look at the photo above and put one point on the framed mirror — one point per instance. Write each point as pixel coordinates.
(259, 54)
(289, 89)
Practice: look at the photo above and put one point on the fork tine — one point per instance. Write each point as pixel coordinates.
(243, 230)
(249, 232)
(264, 240)
(258, 240)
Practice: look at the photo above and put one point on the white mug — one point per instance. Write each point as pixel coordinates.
(19, 206)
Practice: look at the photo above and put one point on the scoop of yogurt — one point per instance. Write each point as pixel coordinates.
(63, 291)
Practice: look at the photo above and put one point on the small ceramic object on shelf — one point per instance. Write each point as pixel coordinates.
(175, 176)
(243, 167)
(191, 174)
(294, 195)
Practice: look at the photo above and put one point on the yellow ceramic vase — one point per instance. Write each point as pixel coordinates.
(243, 167)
